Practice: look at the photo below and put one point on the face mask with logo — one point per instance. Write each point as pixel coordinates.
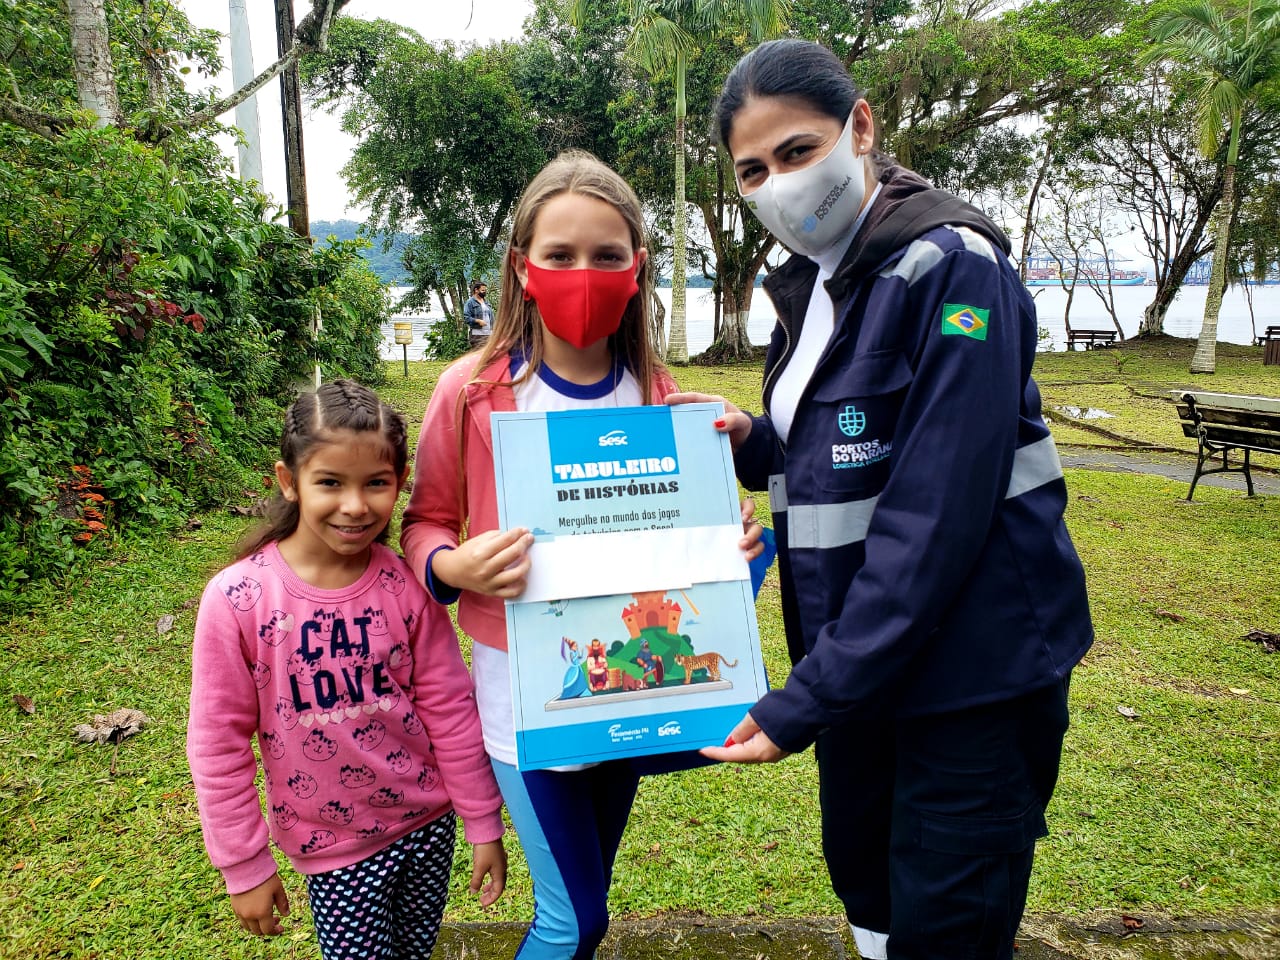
(580, 306)
(810, 209)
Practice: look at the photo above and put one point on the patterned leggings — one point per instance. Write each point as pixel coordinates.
(388, 906)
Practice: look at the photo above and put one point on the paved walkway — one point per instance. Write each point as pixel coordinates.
(1171, 465)
(826, 938)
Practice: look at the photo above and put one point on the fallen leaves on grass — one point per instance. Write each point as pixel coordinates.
(164, 624)
(25, 704)
(1127, 712)
(1131, 924)
(1170, 616)
(112, 727)
(1270, 642)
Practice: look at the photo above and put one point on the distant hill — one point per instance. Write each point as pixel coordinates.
(386, 265)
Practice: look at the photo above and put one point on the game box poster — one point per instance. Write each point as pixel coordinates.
(637, 633)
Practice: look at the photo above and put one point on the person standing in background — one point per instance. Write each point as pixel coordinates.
(478, 314)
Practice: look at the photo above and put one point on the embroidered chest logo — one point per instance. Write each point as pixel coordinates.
(844, 456)
(958, 319)
(852, 421)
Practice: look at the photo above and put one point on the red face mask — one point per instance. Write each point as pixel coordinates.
(580, 306)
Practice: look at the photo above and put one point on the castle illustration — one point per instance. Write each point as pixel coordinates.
(652, 609)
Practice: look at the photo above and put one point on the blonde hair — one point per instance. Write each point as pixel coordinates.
(518, 325)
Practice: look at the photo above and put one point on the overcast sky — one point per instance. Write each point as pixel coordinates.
(325, 147)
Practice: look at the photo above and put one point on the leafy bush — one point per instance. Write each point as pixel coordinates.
(153, 325)
(446, 339)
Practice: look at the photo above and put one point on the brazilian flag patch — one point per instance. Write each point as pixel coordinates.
(965, 321)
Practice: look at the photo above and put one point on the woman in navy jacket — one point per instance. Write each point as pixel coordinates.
(933, 602)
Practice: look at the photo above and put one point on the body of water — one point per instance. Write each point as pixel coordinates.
(1087, 313)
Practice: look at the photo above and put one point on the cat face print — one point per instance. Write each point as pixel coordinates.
(273, 632)
(391, 580)
(369, 736)
(261, 674)
(377, 625)
(272, 744)
(319, 840)
(244, 594)
(386, 797)
(302, 784)
(399, 762)
(335, 812)
(284, 816)
(355, 777)
(398, 655)
(372, 831)
(429, 778)
(302, 666)
(324, 624)
(412, 725)
(288, 716)
(318, 747)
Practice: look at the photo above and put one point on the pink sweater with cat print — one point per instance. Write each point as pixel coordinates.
(363, 708)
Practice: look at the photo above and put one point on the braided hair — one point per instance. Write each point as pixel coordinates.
(310, 421)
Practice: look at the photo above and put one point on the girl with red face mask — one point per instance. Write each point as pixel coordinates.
(571, 333)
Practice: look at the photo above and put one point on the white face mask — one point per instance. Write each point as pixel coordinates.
(810, 209)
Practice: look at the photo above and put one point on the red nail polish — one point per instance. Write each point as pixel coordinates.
(729, 741)
(720, 422)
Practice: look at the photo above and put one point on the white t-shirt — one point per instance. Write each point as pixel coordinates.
(490, 667)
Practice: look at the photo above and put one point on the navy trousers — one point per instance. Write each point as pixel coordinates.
(929, 823)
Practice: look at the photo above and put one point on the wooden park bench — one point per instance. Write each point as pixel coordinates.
(1222, 422)
(1090, 338)
(1271, 333)
(1270, 344)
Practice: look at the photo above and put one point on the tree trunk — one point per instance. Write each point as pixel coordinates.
(1167, 288)
(678, 341)
(1205, 359)
(657, 318)
(92, 64)
(733, 337)
(291, 110)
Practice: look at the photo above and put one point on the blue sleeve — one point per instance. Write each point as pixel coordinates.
(952, 456)
(441, 592)
(759, 457)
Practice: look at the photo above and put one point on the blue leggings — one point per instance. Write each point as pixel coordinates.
(569, 825)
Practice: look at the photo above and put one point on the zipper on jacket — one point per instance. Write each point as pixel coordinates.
(782, 357)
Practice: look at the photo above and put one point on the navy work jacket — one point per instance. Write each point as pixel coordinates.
(919, 499)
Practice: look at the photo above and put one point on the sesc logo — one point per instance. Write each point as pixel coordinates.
(614, 438)
(670, 729)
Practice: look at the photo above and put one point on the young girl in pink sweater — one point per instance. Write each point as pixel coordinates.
(322, 643)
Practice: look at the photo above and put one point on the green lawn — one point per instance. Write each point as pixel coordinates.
(1171, 810)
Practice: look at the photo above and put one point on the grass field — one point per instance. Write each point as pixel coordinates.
(1167, 802)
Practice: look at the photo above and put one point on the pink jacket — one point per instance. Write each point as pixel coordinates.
(363, 708)
(445, 492)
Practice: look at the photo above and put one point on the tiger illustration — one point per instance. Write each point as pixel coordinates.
(709, 662)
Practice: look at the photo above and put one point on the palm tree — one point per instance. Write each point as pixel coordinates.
(663, 33)
(1231, 48)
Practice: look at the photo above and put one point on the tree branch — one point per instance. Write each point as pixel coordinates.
(44, 124)
(311, 35)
